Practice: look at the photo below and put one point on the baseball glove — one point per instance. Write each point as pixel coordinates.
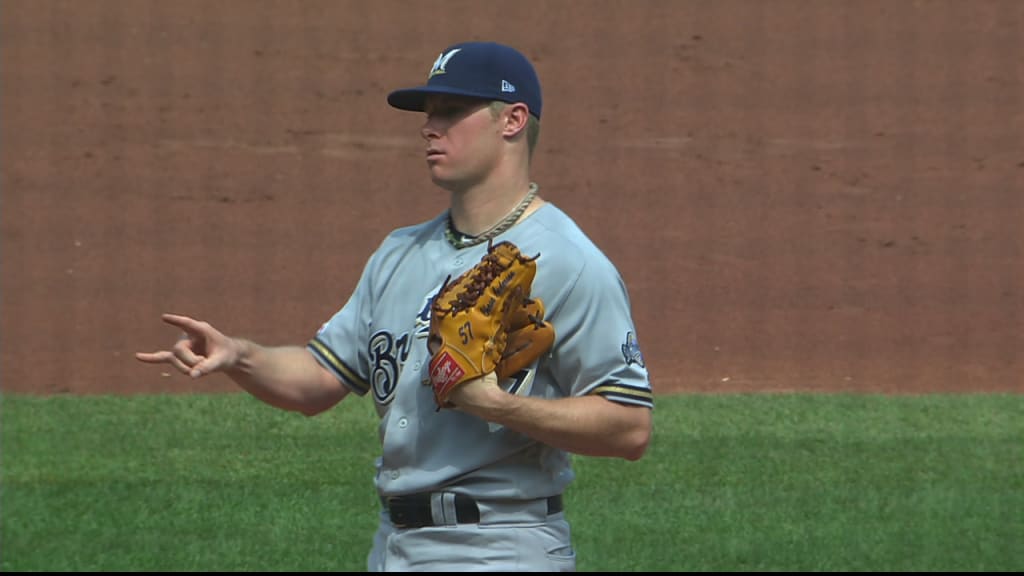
(529, 336)
(485, 321)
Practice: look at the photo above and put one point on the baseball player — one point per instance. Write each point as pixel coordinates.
(478, 485)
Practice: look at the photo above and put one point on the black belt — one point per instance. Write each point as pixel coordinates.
(414, 510)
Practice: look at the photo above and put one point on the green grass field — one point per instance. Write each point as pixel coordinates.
(730, 483)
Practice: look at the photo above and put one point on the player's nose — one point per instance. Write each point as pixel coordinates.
(430, 131)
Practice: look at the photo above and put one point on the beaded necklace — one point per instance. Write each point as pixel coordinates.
(460, 240)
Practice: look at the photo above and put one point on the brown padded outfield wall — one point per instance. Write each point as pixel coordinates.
(800, 195)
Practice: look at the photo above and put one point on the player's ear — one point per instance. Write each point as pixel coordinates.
(515, 118)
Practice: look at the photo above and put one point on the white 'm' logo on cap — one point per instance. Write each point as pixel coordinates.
(441, 62)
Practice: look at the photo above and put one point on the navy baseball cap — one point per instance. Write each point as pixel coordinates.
(485, 70)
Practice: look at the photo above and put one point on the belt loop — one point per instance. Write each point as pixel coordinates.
(442, 509)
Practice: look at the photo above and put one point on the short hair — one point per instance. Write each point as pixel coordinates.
(532, 125)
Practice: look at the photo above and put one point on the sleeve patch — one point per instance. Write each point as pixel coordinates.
(631, 351)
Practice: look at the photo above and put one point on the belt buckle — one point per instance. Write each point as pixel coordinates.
(398, 518)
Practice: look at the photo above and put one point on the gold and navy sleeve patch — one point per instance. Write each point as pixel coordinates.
(344, 373)
(625, 394)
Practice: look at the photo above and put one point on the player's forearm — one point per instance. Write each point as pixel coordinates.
(286, 377)
(588, 425)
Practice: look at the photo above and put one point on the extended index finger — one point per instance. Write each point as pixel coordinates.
(155, 357)
(163, 357)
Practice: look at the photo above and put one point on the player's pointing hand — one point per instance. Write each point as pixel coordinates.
(201, 350)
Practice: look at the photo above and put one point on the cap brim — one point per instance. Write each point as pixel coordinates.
(413, 99)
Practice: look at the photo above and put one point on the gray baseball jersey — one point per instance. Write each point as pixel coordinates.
(376, 344)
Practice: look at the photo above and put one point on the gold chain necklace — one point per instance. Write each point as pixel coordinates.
(459, 240)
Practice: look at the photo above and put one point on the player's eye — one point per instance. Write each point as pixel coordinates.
(446, 111)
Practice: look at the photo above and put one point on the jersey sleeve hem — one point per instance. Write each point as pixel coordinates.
(624, 394)
(342, 371)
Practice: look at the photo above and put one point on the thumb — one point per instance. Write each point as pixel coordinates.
(209, 364)
(204, 367)
(200, 368)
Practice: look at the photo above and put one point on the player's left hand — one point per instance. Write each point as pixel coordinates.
(474, 318)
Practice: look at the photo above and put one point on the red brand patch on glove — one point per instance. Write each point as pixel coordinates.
(445, 371)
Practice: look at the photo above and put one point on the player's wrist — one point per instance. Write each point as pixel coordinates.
(496, 405)
(480, 396)
(243, 355)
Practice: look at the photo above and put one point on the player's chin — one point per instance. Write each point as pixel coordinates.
(443, 178)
